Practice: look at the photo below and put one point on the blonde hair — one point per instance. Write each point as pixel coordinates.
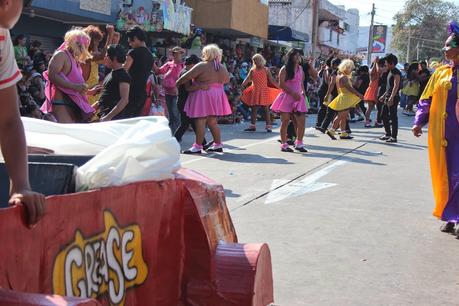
(212, 52)
(346, 66)
(77, 41)
(258, 60)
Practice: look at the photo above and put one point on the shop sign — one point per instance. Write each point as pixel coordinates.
(155, 16)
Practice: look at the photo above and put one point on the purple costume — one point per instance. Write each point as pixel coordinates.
(450, 142)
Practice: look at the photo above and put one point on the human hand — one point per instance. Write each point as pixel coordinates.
(105, 118)
(361, 97)
(95, 90)
(33, 202)
(417, 130)
(390, 101)
(116, 38)
(297, 96)
(204, 87)
(81, 88)
(381, 99)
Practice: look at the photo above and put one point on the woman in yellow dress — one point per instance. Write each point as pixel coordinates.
(347, 98)
(91, 67)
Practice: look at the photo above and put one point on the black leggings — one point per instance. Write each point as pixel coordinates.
(185, 122)
(321, 115)
(331, 114)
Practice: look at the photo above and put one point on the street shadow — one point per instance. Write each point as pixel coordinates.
(332, 156)
(400, 144)
(248, 158)
(230, 194)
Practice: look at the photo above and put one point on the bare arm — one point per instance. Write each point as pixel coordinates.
(13, 145)
(331, 85)
(247, 79)
(313, 72)
(124, 93)
(129, 61)
(344, 82)
(193, 87)
(396, 86)
(283, 86)
(189, 75)
(56, 65)
(271, 80)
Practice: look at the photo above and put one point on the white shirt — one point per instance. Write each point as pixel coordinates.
(9, 71)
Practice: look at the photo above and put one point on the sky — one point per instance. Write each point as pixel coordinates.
(385, 9)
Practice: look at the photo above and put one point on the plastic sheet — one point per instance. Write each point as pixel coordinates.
(145, 151)
(125, 151)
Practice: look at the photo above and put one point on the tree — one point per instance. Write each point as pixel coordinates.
(426, 22)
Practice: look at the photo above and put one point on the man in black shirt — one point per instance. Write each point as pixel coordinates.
(391, 99)
(115, 94)
(139, 63)
(183, 90)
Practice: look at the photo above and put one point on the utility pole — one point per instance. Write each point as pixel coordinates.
(370, 35)
(408, 47)
(315, 25)
(417, 52)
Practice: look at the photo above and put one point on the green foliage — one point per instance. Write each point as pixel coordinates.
(427, 21)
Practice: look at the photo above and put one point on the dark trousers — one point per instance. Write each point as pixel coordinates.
(329, 116)
(379, 108)
(185, 122)
(362, 107)
(390, 119)
(321, 115)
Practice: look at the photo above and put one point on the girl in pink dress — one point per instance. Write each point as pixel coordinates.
(291, 103)
(210, 102)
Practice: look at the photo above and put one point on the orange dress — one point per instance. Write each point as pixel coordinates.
(259, 94)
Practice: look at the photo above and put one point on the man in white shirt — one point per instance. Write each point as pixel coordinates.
(12, 138)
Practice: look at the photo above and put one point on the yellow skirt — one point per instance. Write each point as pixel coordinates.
(344, 102)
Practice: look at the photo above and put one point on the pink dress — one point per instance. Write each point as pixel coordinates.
(285, 103)
(75, 76)
(211, 102)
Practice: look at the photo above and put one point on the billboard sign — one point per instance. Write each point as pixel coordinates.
(379, 39)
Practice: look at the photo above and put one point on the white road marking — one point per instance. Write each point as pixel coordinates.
(298, 188)
(253, 144)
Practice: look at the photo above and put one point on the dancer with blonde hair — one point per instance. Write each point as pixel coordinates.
(348, 97)
(259, 94)
(65, 88)
(209, 102)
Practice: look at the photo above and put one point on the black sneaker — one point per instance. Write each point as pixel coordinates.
(448, 227)
(190, 152)
(207, 145)
(391, 140)
(384, 137)
(250, 129)
(286, 149)
(301, 149)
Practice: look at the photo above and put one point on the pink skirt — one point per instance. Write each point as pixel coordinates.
(285, 103)
(205, 103)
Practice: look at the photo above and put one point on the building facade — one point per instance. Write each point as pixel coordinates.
(338, 29)
(291, 21)
(231, 18)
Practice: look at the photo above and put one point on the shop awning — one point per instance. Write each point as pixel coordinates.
(284, 33)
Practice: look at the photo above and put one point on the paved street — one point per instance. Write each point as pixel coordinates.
(348, 223)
